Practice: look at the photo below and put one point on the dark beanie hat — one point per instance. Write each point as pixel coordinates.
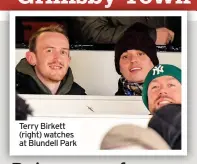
(136, 37)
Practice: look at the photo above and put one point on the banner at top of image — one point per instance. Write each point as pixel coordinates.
(99, 5)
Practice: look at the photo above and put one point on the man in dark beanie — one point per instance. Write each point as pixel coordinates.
(161, 87)
(135, 56)
(167, 123)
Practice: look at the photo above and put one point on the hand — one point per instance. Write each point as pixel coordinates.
(164, 36)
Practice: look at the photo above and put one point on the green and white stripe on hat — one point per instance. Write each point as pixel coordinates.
(158, 71)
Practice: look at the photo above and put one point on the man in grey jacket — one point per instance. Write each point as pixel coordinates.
(46, 67)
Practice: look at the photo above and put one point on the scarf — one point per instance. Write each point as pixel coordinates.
(131, 89)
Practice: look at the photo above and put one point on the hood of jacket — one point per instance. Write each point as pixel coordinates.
(25, 68)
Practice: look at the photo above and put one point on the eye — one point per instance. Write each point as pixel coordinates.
(49, 50)
(124, 57)
(171, 85)
(140, 54)
(154, 87)
(64, 52)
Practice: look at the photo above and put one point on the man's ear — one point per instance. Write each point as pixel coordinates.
(31, 58)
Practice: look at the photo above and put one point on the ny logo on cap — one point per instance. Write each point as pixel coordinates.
(158, 70)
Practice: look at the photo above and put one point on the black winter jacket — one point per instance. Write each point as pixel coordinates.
(167, 122)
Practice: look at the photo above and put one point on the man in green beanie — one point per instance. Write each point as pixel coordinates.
(162, 86)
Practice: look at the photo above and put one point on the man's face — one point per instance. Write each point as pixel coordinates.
(135, 65)
(162, 91)
(52, 56)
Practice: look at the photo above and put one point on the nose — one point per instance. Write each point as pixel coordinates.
(163, 90)
(56, 55)
(133, 58)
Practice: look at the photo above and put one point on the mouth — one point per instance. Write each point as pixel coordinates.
(163, 102)
(134, 69)
(55, 67)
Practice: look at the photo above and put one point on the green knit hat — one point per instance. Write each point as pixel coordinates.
(158, 71)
